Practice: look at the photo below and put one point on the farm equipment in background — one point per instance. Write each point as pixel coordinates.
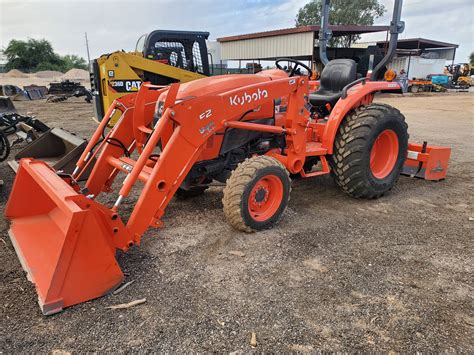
(161, 58)
(36, 92)
(223, 128)
(254, 68)
(29, 92)
(58, 147)
(65, 89)
(419, 85)
(461, 74)
(437, 83)
(6, 105)
(440, 83)
(13, 92)
(25, 127)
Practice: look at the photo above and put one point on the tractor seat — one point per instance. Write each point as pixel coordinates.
(335, 75)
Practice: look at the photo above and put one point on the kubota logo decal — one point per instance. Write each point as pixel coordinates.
(237, 100)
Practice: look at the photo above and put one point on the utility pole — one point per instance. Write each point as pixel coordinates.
(88, 55)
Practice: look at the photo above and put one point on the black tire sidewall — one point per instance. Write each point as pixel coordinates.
(390, 122)
(285, 180)
(5, 145)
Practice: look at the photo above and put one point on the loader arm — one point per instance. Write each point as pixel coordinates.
(194, 121)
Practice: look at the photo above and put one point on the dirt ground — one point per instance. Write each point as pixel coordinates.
(394, 274)
(32, 79)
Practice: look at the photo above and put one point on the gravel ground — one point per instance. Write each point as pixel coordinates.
(394, 274)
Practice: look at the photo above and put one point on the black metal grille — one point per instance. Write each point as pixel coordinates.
(184, 54)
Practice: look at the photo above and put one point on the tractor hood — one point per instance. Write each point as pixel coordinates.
(217, 84)
(223, 83)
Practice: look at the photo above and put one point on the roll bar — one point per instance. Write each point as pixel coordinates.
(396, 27)
(325, 33)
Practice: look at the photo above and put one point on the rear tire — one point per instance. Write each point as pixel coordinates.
(369, 151)
(256, 194)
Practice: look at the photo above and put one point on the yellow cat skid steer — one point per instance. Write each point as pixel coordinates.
(161, 57)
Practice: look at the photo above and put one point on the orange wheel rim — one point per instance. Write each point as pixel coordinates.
(265, 198)
(384, 154)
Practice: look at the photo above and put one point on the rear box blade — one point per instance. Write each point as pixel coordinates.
(427, 162)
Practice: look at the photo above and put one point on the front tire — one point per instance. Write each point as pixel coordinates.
(369, 151)
(256, 194)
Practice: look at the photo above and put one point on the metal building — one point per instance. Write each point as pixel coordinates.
(297, 43)
(420, 57)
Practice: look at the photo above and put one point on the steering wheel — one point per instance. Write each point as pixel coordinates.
(296, 63)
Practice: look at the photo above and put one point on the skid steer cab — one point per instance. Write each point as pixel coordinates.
(175, 140)
(161, 57)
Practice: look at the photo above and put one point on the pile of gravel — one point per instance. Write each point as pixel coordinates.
(15, 73)
(48, 74)
(76, 74)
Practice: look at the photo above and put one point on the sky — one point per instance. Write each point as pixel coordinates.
(115, 25)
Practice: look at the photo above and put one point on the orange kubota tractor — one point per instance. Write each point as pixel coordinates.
(177, 139)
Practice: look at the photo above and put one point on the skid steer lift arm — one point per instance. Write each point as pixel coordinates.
(78, 236)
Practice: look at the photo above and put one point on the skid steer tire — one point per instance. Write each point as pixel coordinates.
(256, 194)
(369, 151)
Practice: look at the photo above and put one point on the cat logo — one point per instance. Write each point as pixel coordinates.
(125, 85)
(132, 85)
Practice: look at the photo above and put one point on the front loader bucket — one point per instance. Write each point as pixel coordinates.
(58, 147)
(61, 239)
(6, 104)
(427, 162)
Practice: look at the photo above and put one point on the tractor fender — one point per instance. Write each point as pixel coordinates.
(358, 95)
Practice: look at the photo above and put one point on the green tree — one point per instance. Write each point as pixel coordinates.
(471, 59)
(27, 55)
(34, 55)
(74, 61)
(342, 12)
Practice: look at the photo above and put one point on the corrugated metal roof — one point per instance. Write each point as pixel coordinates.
(337, 31)
(419, 43)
